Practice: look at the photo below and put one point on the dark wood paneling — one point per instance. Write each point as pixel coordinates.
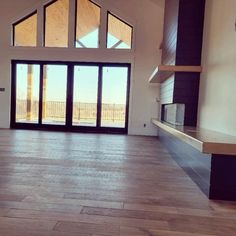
(169, 45)
(186, 89)
(223, 175)
(182, 45)
(183, 31)
(188, 52)
(170, 32)
(193, 162)
(190, 32)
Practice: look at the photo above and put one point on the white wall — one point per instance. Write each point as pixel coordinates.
(147, 56)
(147, 18)
(217, 98)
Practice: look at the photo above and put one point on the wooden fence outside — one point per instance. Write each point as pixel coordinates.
(81, 111)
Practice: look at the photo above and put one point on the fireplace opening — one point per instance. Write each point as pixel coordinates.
(173, 113)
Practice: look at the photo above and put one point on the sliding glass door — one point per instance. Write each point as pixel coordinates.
(85, 93)
(70, 96)
(54, 94)
(114, 96)
(27, 93)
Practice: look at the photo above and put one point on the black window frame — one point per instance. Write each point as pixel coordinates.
(69, 98)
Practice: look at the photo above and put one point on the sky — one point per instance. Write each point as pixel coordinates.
(85, 83)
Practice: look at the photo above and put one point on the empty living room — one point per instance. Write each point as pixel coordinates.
(117, 118)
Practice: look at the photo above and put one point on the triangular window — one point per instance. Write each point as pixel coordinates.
(87, 24)
(119, 33)
(56, 24)
(25, 31)
(72, 23)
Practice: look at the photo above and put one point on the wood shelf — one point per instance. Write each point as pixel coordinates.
(163, 72)
(206, 141)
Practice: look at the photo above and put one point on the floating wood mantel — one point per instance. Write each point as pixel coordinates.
(205, 141)
(163, 72)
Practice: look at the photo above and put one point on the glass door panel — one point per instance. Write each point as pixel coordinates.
(27, 93)
(74, 96)
(85, 96)
(54, 94)
(114, 96)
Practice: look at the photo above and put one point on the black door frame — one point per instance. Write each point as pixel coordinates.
(69, 98)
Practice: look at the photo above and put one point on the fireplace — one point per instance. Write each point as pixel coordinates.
(173, 113)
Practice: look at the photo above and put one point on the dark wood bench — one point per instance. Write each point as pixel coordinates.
(208, 157)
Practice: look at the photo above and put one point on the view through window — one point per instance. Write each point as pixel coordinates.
(95, 96)
(27, 93)
(87, 24)
(119, 33)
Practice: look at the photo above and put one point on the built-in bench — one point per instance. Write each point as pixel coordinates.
(208, 157)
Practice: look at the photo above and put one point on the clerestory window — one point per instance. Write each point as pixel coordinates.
(85, 20)
(56, 24)
(25, 31)
(87, 24)
(119, 33)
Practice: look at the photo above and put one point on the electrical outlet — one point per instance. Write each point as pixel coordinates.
(2, 89)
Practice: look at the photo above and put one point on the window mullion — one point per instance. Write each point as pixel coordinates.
(103, 29)
(40, 26)
(72, 24)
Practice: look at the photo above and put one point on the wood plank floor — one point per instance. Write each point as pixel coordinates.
(67, 184)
